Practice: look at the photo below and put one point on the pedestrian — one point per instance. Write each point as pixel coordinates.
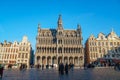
(1, 71)
(61, 71)
(21, 67)
(66, 68)
(42, 66)
(61, 68)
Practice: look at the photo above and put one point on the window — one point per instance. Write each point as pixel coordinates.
(99, 43)
(114, 43)
(111, 43)
(102, 37)
(54, 40)
(26, 56)
(26, 49)
(118, 43)
(92, 43)
(60, 33)
(113, 55)
(22, 55)
(23, 49)
(19, 55)
(59, 41)
(100, 50)
(102, 43)
(106, 43)
(60, 50)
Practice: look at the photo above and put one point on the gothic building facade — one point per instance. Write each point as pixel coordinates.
(54, 46)
(103, 50)
(15, 54)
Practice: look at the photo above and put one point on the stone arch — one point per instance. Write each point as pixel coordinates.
(38, 59)
(81, 60)
(65, 59)
(54, 60)
(43, 60)
(59, 59)
(49, 60)
(76, 60)
(60, 50)
(70, 59)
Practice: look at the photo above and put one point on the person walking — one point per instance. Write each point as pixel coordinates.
(62, 69)
(1, 71)
(66, 68)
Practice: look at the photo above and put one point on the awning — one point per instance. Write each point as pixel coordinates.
(116, 60)
(102, 60)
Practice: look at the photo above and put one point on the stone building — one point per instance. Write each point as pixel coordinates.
(15, 54)
(24, 53)
(8, 53)
(103, 50)
(58, 45)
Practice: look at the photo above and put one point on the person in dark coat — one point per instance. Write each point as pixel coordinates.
(61, 68)
(1, 71)
(66, 68)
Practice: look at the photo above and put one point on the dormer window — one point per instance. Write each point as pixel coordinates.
(60, 33)
(102, 37)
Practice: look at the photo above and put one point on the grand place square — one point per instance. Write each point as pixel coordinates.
(60, 55)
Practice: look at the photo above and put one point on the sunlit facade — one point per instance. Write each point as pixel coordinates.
(15, 53)
(103, 49)
(58, 45)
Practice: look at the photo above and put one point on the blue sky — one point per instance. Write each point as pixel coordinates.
(21, 17)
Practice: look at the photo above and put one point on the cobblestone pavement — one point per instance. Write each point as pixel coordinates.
(52, 74)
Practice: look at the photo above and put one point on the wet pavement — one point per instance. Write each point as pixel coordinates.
(52, 74)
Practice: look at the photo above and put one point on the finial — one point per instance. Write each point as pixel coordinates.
(78, 26)
(60, 23)
(60, 15)
(39, 25)
(112, 30)
(60, 18)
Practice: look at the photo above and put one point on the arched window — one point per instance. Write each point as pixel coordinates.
(26, 56)
(60, 33)
(22, 55)
(59, 50)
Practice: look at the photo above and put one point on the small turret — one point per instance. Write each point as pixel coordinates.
(38, 26)
(60, 27)
(78, 28)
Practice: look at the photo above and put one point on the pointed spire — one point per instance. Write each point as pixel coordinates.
(78, 27)
(60, 22)
(60, 19)
(112, 30)
(39, 27)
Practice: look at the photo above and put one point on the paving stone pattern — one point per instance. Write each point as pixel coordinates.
(52, 74)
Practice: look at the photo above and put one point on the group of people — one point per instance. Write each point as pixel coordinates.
(117, 66)
(22, 66)
(39, 66)
(65, 68)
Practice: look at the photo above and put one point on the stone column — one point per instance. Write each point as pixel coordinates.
(73, 61)
(68, 60)
(51, 60)
(46, 60)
